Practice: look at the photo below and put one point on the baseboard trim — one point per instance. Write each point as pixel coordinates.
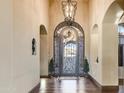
(35, 89)
(44, 76)
(103, 88)
(110, 88)
(94, 81)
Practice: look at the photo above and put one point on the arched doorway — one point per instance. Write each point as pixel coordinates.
(110, 42)
(121, 51)
(68, 49)
(94, 51)
(43, 51)
(94, 44)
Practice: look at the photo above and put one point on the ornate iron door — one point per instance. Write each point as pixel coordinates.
(69, 64)
(68, 49)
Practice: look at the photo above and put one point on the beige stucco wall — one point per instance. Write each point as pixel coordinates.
(95, 67)
(44, 19)
(44, 55)
(110, 55)
(28, 16)
(106, 71)
(6, 45)
(20, 21)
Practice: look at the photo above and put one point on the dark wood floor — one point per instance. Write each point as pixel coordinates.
(73, 85)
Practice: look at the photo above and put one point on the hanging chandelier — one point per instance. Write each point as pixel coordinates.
(69, 8)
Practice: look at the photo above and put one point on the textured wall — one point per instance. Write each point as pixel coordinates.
(20, 22)
(28, 16)
(103, 13)
(6, 45)
(44, 55)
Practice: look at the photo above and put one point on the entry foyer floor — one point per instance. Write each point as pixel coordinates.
(71, 85)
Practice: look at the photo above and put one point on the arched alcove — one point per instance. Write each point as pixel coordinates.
(43, 30)
(94, 57)
(69, 49)
(110, 43)
(94, 44)
(43, 51)
(113, 13)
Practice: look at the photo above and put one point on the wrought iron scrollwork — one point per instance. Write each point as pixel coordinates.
(58, 47)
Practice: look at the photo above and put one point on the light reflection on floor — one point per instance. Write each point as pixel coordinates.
(43, 85)
(72, 85)
(121, 89)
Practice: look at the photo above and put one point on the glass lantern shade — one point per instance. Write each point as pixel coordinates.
(69, 9)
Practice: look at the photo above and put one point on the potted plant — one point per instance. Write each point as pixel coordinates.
(85, 67)
(51, 67)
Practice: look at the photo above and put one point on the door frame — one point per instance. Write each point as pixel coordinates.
(63, 24)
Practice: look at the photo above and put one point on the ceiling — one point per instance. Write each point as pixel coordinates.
(65, 0)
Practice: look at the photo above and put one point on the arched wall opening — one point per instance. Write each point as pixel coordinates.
(94, 44)
(121, 49)
(94, 55)
(110, 43)
(69, 49)
(43, 51)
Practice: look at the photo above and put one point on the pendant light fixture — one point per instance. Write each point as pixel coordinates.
(69, 8)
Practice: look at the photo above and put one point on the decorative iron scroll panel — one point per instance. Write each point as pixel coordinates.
(68, 50)
(69, 59)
